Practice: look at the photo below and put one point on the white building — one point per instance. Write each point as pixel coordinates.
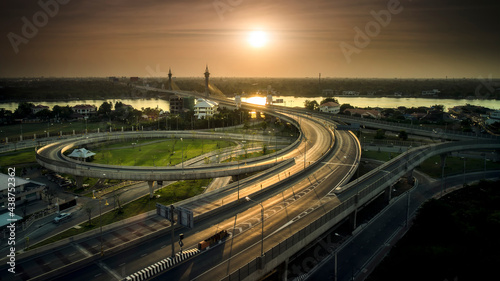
(330, 107)
(495, 114)
(494, 117)
(237, 100)
(430, 93)
(350, 93)
(205, 108)
(328, 92)
(39, 108)
(269, 99)
(85, 109)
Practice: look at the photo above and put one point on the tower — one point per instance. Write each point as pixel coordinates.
(169, 79)
(207, 75)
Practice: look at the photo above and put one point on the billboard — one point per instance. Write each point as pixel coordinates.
(165, 211)
(185, 217)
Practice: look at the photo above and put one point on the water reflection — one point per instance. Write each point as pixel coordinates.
(287, 101)
(136, 103)
(379, 102)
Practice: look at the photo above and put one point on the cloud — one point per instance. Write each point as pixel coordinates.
(163, 31)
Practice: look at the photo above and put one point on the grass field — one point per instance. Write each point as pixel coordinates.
(164, 153)
(169, 194)
(40, 129)
(17, 158)
(432, 166)
(455, 165)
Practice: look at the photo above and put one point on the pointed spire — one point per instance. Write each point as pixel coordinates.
(169, 71)
(206, 69)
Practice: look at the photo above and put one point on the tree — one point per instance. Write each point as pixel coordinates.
(105, 108)
(311, 105)
(60, 112)
(44, 114)
(50, 193)
(380, 134)
(23, 110)
(264, 125)
(330, 99)
(345, 106)
(438, 107)
(403, 135)
(6, 116)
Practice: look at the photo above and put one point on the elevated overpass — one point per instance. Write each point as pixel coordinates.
(410, 129)
(352, 196)
(52, 157)
(298, 210)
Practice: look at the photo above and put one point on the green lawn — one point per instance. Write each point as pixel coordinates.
(455, 165)
(432, 166)
(40, 129)
(170, 194)
(165, 153)
(15, 159)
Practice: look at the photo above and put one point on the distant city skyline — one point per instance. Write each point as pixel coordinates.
(237, 38)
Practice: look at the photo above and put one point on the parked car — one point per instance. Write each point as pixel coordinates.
(62, 217)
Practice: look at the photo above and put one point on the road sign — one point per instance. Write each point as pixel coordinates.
(164, 211)
(185, 217)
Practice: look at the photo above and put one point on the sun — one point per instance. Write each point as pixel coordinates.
(257, 39)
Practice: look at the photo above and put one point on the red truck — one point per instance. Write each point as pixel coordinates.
(219, 236)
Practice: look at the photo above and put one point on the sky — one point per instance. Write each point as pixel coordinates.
(337, 38)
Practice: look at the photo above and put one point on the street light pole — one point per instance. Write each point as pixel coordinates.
(182, 155)
(262, 219)
(464, 171)
(100, 222)
(238, 180)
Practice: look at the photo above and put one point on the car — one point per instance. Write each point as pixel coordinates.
(62, 217)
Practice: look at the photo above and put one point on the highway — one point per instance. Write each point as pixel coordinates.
(284, 201)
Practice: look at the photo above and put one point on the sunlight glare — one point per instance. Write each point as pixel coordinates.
(255, 100)
(257, 39)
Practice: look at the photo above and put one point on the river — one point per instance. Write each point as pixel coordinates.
(287, 101)
(381, 102)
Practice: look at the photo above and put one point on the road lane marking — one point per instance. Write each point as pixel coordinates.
(83, 250)
(111, 272)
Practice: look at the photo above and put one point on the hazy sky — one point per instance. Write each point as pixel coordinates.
(337, 38)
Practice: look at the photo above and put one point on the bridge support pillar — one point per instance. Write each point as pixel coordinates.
(352, 219)
(151, 184)
(443, 164)
(388, 194)
(409, 176)
(79, 181)
(282, 270)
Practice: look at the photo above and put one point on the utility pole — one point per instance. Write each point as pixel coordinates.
(172, 221)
